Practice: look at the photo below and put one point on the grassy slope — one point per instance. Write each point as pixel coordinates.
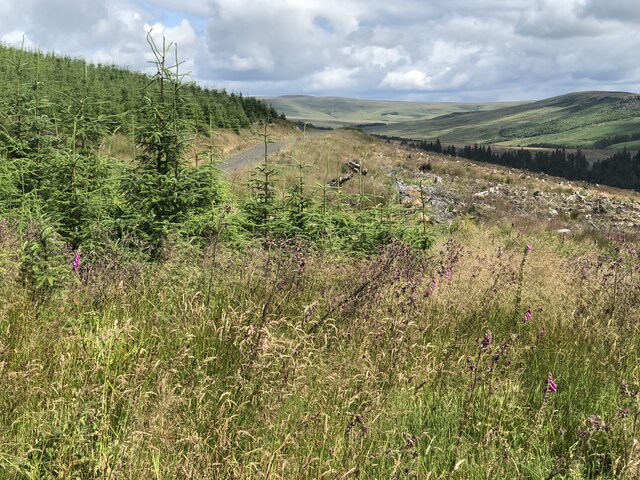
(337, 111)
(140, 374)
(572, 120)
(287, 363)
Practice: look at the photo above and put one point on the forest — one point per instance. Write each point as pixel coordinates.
(108, 96)
(621, 169)
(59, 117)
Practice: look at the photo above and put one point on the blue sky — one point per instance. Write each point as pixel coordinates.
(447, 50)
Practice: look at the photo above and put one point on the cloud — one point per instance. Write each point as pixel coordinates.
(619, 10)
(18, 38)
(411, 80)
(331, 79)
(373, 55)
(557, 20)
(276, 39)
(441, 49)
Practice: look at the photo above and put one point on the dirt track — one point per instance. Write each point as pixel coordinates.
(256, 154)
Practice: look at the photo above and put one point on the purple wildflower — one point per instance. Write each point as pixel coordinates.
(447, 274)
(527, 316)
(550, 385)
(487, 340)
(542, 333)
(529, 248)
(75, 265)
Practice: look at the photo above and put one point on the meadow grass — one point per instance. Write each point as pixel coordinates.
(277, 361)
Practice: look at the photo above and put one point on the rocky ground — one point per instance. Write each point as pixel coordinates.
(451, 187)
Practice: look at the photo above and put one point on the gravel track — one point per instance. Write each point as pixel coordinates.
(253, 155)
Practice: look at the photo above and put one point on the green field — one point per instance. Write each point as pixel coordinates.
(573, 120)
(633, 145)
(338, 111)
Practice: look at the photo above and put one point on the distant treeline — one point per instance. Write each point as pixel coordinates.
(308, 125)
(622, 169)
(117, 95)
(605, 142)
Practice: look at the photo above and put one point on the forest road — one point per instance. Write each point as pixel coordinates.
(255, 154)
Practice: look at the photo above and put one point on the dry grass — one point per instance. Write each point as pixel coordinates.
(278, 362)
(325, 157)
(225, 143)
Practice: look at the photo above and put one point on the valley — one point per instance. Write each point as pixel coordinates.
(338, 112)
(588, 120)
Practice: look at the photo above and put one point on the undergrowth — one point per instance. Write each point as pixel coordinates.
(481, 358)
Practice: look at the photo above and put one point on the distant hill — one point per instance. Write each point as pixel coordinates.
(340, 111)
(584, 119)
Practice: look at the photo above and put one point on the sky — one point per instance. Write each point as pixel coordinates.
(427, 50)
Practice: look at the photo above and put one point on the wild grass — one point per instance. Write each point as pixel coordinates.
(278, 361)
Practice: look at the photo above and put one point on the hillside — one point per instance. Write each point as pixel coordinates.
(112, 97)
(339, 111)
(304, 333)
(453, 186)
(348, 307)
(585, 119)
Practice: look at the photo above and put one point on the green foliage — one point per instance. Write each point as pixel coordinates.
(108, 93)
(43, 267)
(58, 112)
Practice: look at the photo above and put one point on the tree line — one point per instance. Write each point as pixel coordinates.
(621, 169)
(117, 95)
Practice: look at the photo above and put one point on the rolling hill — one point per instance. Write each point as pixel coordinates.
(584, 119)
(340, 111)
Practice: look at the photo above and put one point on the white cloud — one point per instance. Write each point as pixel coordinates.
(18, 38)
(331, 79)
(411, 80)
(441, 49)
(373, 55)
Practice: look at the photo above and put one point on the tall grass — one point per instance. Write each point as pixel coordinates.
(278, 361)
